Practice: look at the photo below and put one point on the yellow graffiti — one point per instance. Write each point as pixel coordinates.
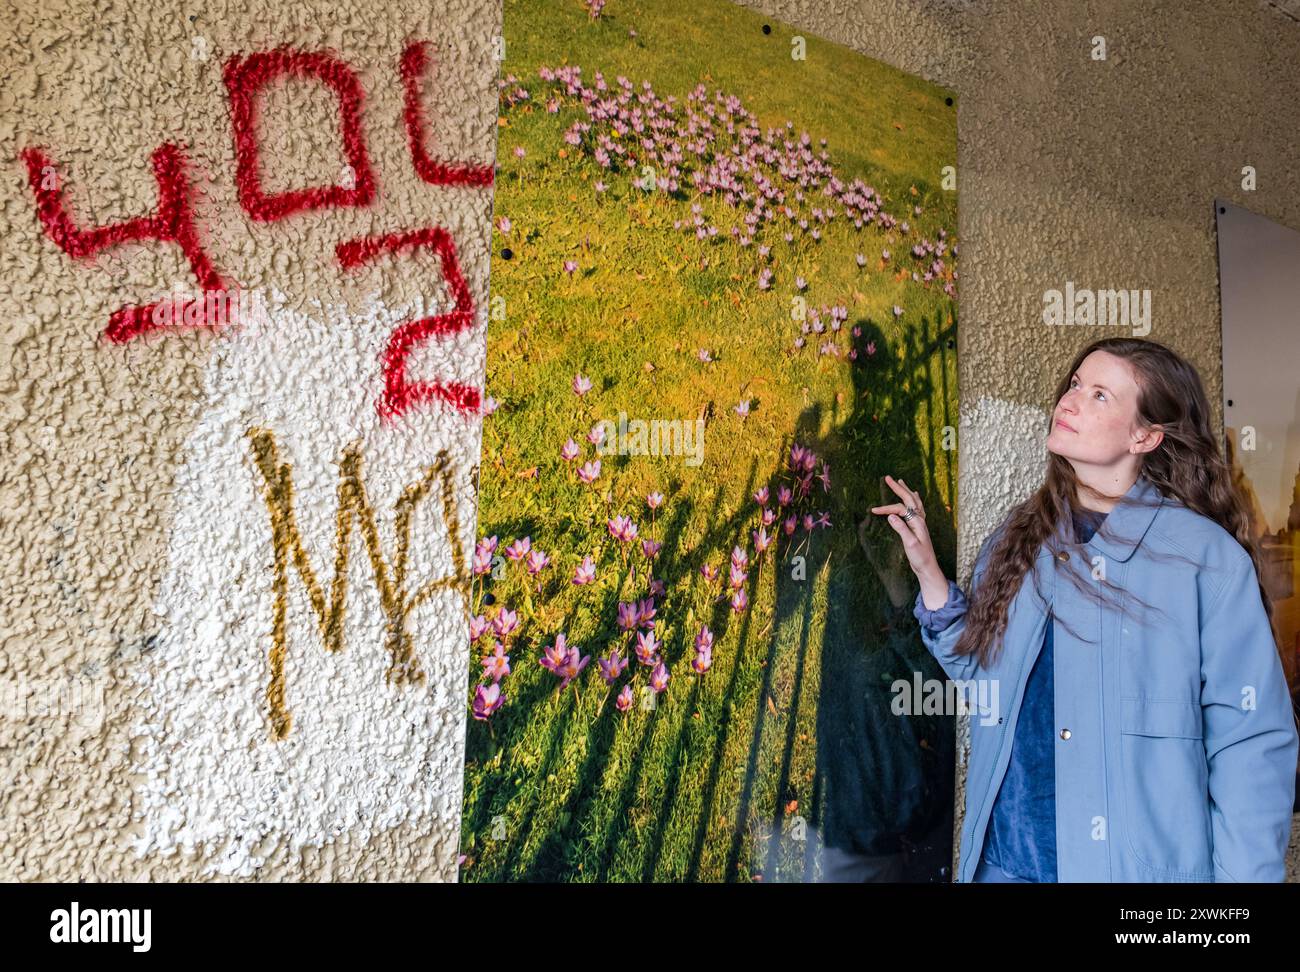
(286, 540)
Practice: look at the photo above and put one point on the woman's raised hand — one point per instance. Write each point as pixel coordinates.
(914, 533)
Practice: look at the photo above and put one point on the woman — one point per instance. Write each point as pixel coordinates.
(1121, 747)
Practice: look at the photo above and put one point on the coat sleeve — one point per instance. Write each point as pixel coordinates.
(1249, 732)
(939, 640)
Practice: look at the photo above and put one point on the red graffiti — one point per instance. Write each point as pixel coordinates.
(245, 77)
(401, 394)
(173, 222)
(414, 62)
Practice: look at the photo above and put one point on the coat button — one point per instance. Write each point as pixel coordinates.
(1065, 733)
(1063, 556)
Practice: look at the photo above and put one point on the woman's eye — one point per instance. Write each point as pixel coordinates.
(1075, 381)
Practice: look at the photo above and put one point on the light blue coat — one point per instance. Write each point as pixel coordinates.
(1175, 740)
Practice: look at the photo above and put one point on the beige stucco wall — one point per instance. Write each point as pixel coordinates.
(128, 486)
(124, 466)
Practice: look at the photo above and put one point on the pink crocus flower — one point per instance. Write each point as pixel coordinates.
(739, 558)
(622, 528)
(573, 665)
(743, 408)
(824, 520)
(496, 665)
(738, 575)
(798, 456)
(519, 549)
(651, 548)
(789, 524)
(624, 700)
(808, 521)
(589, 471)
(569, 451)
(656, 587)
(628, 614)
(581, 385)
(570, 267)
(585, 572)
(761, 541)
(482, 561)
(612, 666)
(654, 500)
(503, 224)
(647, 648)
(703, 660)
(784, 496)
(871, 348)
(490, 405)
(769, 516)
(761, 496)
(519, 152)
(825, 476)
(709, 572)
(704, 640)
(898, 311)
(505, 622)
(536, 561)
(739, 601)
(478, 627)
(659, 678)
(645, 612)
(562, 659)
(597, 434)
(487, 699)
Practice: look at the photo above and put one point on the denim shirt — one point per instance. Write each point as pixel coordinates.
(1021, 836)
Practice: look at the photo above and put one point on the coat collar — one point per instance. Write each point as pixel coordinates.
(1128, 522)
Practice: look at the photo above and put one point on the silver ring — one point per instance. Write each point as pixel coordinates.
(910, 513)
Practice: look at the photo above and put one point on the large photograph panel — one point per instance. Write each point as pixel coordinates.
(723, 305)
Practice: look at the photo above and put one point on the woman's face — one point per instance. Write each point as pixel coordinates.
(1095, 423)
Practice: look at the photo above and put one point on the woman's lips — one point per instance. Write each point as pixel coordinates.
(1064, 426)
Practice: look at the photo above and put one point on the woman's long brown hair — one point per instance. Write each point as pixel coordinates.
(1188, 465)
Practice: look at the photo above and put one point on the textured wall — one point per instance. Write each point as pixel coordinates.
(139, 561)
(137, 551)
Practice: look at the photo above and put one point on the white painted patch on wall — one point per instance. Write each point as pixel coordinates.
(363, 755)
